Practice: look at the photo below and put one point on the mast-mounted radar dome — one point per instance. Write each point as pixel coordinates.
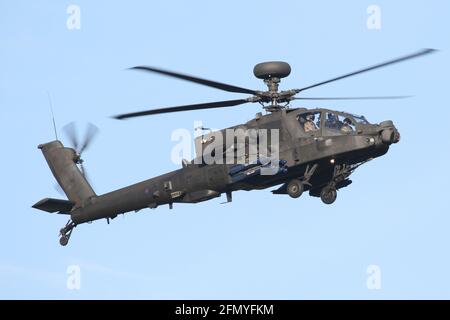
(272, 69)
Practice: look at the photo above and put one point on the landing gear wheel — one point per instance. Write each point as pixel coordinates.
(64, 240)
(295, 188)
(328, 195)
(66, 232)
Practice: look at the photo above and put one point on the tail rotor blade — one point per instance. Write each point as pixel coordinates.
(85, 174)
(59, 189)
(91, 133)
(83, 171)
(71, 132)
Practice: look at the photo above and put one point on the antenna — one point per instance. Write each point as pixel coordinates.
(53, 116)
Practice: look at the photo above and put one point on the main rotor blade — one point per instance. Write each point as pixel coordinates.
(71, 132)
(91, 132)
(352, 98)
(209, 83)
(377, 66)
(209, 105)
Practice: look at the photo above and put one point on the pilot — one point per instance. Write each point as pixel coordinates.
(347, 126)
(332, 121)
(309, 124)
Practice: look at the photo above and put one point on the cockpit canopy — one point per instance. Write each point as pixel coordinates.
(359, 119)
(329, 122)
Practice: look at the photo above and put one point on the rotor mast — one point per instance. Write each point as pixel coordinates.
(271, 73)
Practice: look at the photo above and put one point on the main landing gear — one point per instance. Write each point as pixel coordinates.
(328, 194)
(327, 191)
(66, 232)
(295, 187)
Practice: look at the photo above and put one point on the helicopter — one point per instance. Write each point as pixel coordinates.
(314, 150)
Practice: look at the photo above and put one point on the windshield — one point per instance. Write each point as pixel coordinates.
(359, 119)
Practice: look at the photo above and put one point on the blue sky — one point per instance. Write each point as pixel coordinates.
(394, 215)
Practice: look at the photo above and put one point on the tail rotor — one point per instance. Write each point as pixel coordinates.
(80, 146)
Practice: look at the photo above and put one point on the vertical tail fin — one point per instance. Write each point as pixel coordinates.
(62, 163)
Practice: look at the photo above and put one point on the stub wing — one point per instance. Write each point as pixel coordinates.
(54, 205)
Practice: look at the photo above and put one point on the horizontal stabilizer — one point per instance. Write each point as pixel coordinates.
(54, 205)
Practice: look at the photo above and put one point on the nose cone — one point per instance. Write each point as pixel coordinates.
(389, 133)
(396, 136)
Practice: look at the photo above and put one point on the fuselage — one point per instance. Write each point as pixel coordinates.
(326, 145)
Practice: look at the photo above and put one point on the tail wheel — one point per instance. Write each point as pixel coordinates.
(66, 232)
(295, 188)
(64, 240)
(328, 195)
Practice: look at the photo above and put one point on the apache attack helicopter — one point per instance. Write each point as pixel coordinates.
(318, 149)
